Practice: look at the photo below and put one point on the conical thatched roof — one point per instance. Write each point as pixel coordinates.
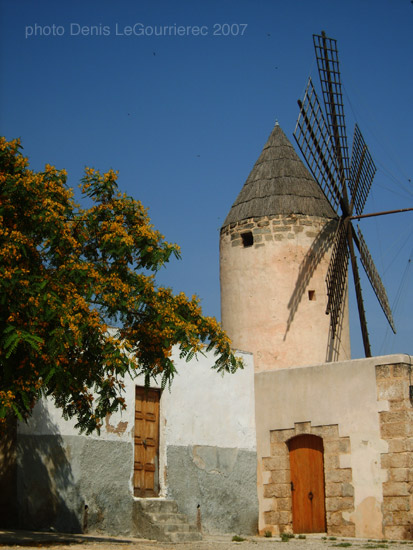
(279, 183)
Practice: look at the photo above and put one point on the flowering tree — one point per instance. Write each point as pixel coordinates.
(65, 272)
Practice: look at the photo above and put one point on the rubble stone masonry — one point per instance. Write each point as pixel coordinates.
(277, 228)
(396, 426)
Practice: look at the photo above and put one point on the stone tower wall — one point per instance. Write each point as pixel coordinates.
(273, 290)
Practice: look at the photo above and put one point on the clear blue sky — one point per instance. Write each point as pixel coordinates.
(184, 118)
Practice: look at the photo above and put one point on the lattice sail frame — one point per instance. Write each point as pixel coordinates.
(337, 276)
(314, 140)
(345, 182)
(374, 278)
(362, 172)
(330, 80)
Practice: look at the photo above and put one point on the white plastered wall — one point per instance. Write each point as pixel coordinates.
(201, 408)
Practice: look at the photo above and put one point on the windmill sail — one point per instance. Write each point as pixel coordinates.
(374, 278)
(313, 138)
(337, 277)
(362, 172)
(329, 72)
(346, 183)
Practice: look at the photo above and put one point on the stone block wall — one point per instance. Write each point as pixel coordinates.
(281, 227)
(339, 491)
(396, 427)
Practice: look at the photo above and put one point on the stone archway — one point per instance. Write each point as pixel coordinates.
(339, 491)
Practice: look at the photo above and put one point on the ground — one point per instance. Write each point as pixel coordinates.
(55, 541)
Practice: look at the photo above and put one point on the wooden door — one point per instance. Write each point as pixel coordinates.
(146, 468)
(307, 484)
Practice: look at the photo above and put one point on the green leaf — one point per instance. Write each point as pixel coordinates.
(25, 400)
(190, 356)
(49, 376)
(17, 412)
(11, 344)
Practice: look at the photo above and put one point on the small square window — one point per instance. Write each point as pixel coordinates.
(247, 239)
(311, 295)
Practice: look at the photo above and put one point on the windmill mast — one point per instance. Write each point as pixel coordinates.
(359, 296)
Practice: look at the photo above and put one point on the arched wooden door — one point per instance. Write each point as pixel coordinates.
(307, 484)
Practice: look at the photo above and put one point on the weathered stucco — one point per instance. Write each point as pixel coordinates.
(75, 483)
(205, 408)
(202, 479)
(209, 457)
(343, 394)
(273, 293)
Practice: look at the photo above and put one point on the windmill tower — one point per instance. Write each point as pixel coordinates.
(275, 249)
(288, 238)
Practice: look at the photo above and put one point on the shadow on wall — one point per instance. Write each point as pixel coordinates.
(45, 480)
(334, 341)
(309, 264)
(8, 502)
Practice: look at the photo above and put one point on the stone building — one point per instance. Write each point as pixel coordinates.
(174, 464)
(334, 436)
(302, 440)
(334, 448)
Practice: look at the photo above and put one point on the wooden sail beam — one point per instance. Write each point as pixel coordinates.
(331, 86)
(359, 295)
(379, 213)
